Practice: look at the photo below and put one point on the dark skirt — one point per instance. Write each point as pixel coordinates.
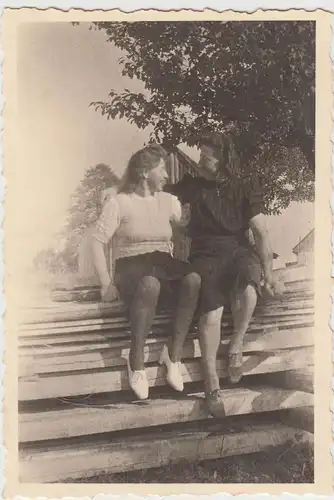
(225, 264)
(129, 271)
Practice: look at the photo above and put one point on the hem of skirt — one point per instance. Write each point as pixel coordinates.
(254, 284)
(142, 251)
(225, 301)
(205, 309)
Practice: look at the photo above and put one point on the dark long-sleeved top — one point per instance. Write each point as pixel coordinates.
(218, 209)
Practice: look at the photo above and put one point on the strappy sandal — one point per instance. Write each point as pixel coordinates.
(215, 404)
(234, 367)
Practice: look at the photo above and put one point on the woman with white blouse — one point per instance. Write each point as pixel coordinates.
(139, 221)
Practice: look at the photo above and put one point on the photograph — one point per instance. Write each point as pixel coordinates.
(161, 252)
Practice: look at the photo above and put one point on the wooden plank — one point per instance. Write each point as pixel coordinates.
(297, 282)
(300, 305)
(300, 418)
(269, 309)
(118, 323)
(80, 421)
(112, 335)
(116, 307)
(51, 361)
(302, 380)
(108, 380)
(82, 324)
(123, 324)
(54, 311)
(176, 168)
(304, 333)
(71, 311)
(172, 168)
(96, 315)
(80, 344)
(74, 462)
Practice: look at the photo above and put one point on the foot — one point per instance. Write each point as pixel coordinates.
(234, 366)
(138, 382)
(215, 404)
(174, 375)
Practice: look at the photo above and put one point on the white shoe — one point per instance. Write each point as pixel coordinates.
(138, 382)
(174, 375)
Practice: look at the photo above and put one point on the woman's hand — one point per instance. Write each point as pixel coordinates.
(272, 286)
(109, 292)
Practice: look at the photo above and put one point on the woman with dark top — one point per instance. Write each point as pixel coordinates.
(139, 221)
(223, 207)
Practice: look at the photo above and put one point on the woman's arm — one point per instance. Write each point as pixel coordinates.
(183, 190)
(100, 263)
(180, 215)
(104, 230)
(262, 242)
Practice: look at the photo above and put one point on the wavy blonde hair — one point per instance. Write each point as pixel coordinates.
(141, 162)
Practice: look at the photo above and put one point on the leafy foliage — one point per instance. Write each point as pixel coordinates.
(256, 79)
(86, 202)
(85, 207)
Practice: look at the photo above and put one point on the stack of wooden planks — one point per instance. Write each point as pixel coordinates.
(77, 417)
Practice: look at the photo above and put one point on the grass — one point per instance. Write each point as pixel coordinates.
(292, 463)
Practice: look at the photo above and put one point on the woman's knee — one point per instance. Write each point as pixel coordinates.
(149, 287)
(211, 319)
(192, 282)
(248, 292)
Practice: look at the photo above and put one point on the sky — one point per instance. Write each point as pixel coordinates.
(61, 69)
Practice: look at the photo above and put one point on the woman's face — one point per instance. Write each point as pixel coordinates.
(157, 176)
(208, 160)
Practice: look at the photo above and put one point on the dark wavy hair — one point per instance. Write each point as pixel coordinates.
(141, 162)
(225, 150)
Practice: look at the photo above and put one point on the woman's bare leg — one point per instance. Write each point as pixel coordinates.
(142, 312)
(242, 306)
(185, 309)
(210, 331)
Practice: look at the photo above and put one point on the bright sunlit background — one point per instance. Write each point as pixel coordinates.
(61, 69)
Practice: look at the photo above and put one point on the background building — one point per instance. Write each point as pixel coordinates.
(304, 250)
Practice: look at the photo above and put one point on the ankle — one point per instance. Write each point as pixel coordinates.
(236, 344)
(175, 357)
(209, 394)
(212, 385)
(135, 363)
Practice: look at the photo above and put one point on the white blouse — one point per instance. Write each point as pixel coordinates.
(138, 224)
